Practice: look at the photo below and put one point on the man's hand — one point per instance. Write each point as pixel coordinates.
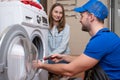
(55, 57)
(36, 64)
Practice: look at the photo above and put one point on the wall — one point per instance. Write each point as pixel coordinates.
(78, 39)
(44, 4)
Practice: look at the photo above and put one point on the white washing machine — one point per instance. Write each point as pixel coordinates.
(23, 37)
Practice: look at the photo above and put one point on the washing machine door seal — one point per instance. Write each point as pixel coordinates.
(17, 53)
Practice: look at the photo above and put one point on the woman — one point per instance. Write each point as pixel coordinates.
(59, 32)
(58, 36)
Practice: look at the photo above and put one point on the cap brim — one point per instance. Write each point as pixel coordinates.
(79, 9)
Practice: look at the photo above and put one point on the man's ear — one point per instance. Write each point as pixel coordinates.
(92, 17)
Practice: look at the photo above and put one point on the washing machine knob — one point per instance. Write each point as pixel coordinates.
(38, 19)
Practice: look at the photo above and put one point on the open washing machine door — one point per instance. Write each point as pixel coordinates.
(16, 54)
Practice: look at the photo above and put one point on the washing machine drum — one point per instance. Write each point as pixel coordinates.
(16, 55)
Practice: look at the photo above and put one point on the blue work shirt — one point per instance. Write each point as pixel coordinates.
(59, 42)
(105, 47)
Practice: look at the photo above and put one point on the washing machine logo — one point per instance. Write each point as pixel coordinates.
(38, 19)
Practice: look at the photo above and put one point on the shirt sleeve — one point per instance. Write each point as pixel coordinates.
(97, 47)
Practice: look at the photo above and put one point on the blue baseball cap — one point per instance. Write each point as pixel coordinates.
(95, 7)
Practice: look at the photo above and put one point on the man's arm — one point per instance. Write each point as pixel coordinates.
(78, 65)
(59, 57)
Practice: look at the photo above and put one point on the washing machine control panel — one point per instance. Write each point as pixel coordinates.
(41, 20)
(22, 14)
(44, 20)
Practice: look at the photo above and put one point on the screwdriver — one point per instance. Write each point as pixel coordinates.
(47, 58)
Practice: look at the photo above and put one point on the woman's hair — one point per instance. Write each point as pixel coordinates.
(62, 22)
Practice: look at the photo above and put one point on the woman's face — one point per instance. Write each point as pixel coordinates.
(57, 13)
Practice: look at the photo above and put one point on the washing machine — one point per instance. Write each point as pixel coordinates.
(23, 38)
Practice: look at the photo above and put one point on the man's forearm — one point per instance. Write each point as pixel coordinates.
(56, 68)
(61, 69)
(69, 58)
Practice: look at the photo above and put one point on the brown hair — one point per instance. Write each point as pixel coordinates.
(62, 22)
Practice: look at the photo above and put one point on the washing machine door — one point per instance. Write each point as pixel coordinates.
(16, 55)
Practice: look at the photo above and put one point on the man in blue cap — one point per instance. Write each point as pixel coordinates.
(103, 48)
